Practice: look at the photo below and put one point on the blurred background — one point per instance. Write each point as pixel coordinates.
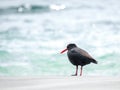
(33, 32)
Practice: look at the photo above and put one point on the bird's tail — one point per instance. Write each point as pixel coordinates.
(94, 61)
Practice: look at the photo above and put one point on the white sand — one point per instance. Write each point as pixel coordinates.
(60, 83)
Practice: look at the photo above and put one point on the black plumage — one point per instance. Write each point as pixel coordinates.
(78, 56)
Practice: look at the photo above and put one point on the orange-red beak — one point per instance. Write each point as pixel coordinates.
(63, 51)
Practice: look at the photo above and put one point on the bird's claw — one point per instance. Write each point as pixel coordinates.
(74, 75)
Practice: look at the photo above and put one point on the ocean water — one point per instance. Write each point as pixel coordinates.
(33, 32)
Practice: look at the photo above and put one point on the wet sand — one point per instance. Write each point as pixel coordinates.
(60, 83)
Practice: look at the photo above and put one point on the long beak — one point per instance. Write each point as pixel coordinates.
(63, 51)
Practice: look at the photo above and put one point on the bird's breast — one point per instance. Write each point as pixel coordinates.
(73, 57)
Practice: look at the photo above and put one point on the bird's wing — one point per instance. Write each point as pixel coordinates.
(83, 52)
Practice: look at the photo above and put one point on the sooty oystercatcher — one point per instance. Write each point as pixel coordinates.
(78, 56)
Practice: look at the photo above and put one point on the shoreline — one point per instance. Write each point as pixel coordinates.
(60, 83)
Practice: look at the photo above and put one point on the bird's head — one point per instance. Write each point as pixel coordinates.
(69, 47)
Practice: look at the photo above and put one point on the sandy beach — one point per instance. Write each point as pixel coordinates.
(60, 83)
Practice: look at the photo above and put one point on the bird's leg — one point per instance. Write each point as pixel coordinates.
(76, 71)
(81, 70)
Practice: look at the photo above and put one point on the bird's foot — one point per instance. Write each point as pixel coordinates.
(74, 75)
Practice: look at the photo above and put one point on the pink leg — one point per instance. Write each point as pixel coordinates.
(81, 71)
(76, 71)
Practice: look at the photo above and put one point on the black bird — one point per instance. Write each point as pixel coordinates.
(78, 56)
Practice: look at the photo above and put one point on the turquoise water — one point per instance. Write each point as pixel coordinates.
(32, 34)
